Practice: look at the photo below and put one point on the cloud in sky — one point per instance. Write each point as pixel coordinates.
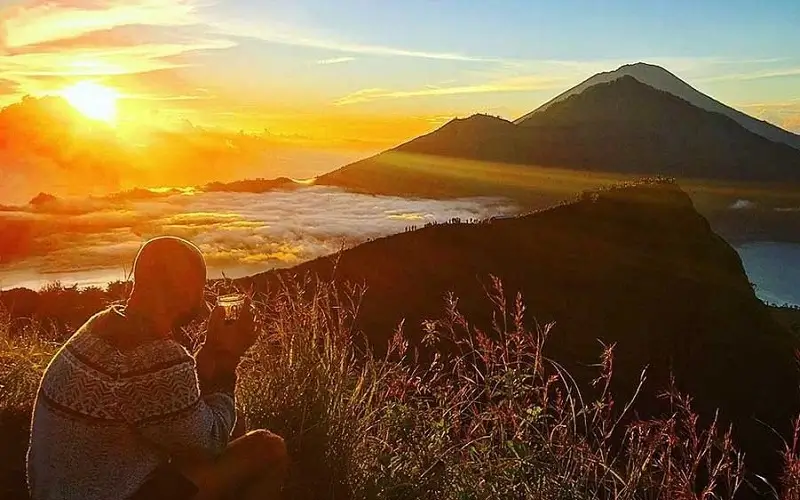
(336, 60)
(148, 50)
(48, 146)
(294, 36)
(517, 84)
(239, 233)
(206, 61)
(793, 122)
(41, 21)
(785, 114)
(45, 44)
(50, 44)
(543, 78)
(755, 75)
(7, 86)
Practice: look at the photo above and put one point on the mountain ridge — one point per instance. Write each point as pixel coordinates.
(662, 79)
(623, 126)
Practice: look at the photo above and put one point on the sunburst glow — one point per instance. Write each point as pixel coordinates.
(93, 100)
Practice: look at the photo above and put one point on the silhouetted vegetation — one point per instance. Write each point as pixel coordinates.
(789, 317)
(251, 185)
(492, 416)
(635, 266)
(56, 309)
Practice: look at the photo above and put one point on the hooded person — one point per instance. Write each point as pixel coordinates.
(125, 411)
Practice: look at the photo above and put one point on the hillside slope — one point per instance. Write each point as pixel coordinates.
(637, 266)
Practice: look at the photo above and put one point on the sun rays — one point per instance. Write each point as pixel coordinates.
(93, 100)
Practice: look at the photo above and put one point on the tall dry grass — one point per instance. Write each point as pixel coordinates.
(24, 354)
(493, 418)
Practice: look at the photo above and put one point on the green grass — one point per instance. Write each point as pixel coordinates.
(496, 420)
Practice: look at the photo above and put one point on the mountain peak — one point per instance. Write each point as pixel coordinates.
(641, 65)
(648, 73)
(661, 79)
(481, 118)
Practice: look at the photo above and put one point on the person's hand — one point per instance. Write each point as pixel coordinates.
(234, 337)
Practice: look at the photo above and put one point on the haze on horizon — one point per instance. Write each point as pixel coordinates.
(357, 77)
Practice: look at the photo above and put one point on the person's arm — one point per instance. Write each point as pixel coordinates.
(216, 370)
(223, 349)
(189, 407)
(179, 413)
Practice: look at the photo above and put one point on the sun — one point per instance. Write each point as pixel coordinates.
(93, 100)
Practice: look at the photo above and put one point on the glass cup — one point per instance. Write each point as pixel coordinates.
(231, 305)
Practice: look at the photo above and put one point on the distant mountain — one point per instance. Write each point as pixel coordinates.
(635, 266)
(661, 79)
(626, 125)
(251, 185)
(623, 126)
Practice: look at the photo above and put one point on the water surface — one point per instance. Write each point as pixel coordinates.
(775, 270)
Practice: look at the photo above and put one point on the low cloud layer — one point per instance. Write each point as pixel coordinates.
(95, 240)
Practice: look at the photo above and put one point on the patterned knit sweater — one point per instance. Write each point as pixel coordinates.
(110, 410)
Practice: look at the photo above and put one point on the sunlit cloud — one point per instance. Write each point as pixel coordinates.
(516, 84)
(48, 45)
(135, 58)
(41, 21)
(336, 60)
(793, 123)
(238, 233)
(286, 35)
(754, 75)
(528, 76)
(785, 114)
(7, 86)
(108, 60)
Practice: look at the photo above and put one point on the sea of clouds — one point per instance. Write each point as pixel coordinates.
(94, 240)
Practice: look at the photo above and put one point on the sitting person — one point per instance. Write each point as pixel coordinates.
(125, 412)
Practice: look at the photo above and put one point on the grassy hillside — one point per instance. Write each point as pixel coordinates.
(500, 420)
(637, 267)
(788, 317)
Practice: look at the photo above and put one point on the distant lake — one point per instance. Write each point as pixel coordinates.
(775, 269)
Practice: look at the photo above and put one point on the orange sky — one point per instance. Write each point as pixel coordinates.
(334, 78)
(154, 55)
